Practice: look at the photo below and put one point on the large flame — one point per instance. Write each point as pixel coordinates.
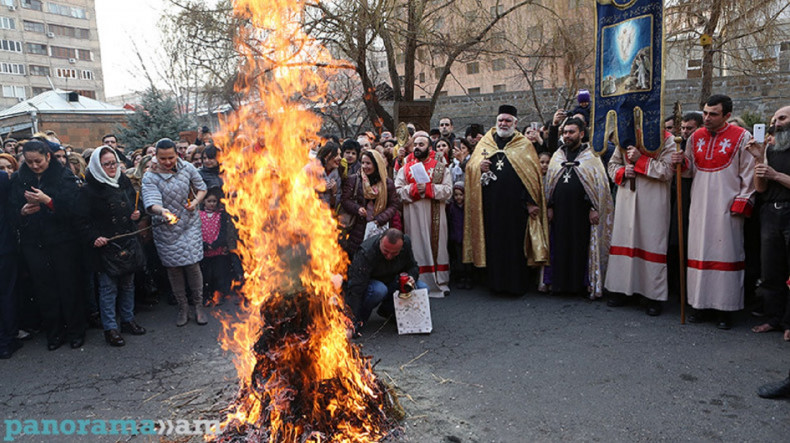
(301, 378)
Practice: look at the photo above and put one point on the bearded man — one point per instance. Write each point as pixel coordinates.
(580, 209)
(721, 193)
(505, 229)
(424, 185)
(772, 181)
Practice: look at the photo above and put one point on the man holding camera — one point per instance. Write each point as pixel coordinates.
(375, 274)
(772, 181)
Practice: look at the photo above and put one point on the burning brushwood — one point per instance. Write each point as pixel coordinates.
(301, 379)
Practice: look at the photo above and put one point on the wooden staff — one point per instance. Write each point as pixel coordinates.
(136, 199)
(679, 198)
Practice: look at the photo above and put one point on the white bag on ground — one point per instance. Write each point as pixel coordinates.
(413, 312)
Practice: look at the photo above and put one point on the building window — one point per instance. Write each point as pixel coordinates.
(437, 73)
(442, 94)
(36, 48)
(68, 11)
(89, 94)
(65, 73)
(422, 77)
(7, 2)
(694, 68)
(39, 90)
(498, 64)
(496, 10)
(33, 26)
(87, 75)
(39, 70)
(7, 23)
(69, 31)
(12, 68)
(472, 68)
(14, 91)
(10, 46)
(473, 91)
(400, 58)
(61, 52)
(500, 88)
(498, 40)
(32, 4)
(84, 54)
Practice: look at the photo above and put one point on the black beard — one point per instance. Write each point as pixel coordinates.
(421, 155)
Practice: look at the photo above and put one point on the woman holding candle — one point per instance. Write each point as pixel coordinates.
(106, 209)
(168, 193)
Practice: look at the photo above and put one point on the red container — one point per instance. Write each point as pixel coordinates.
(405, 287)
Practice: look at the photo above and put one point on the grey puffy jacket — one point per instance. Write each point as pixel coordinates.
(180, 244)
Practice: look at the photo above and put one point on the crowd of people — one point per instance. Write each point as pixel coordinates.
(505, 209)
(89, 236)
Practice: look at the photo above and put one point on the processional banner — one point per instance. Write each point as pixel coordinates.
(628, 75)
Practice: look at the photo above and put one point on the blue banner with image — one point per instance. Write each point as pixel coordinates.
(628, 96)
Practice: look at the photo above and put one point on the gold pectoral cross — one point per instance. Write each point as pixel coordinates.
(499, 164)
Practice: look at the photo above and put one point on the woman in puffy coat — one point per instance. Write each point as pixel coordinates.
(41, 203)
(173, 191)
(106, 209)
(369, 195)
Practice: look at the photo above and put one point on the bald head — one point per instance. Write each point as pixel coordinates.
(782, 118)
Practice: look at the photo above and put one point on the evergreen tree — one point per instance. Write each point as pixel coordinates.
(154, 119)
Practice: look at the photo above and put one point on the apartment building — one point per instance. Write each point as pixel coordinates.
(48, 44)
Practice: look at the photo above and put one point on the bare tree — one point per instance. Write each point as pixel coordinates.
(432, 33)
(744, 35)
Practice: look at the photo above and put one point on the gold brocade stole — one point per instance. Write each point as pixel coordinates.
(436, 216)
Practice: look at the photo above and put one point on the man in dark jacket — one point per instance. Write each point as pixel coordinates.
(375, 274)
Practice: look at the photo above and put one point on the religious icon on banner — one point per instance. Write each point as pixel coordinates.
(628, 97)
(627, 56)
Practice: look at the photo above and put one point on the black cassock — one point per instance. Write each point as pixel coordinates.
(505, 220)
(570, 229)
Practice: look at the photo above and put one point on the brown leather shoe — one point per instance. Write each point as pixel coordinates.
(113, 338)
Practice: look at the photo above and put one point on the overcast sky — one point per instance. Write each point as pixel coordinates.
(122, 23)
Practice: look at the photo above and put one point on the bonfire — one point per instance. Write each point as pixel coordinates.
(301, 378)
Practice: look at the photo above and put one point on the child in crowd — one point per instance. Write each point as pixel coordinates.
(460, 272)
(545, 271)
(216, 263)
(544, 158)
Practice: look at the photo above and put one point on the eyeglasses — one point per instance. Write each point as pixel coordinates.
(110, 164)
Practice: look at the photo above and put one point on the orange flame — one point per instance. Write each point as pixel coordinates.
(312, 384)
(170, 218)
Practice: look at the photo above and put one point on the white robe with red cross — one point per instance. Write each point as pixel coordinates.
(720, 199)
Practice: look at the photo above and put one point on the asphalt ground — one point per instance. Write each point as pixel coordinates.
(494, 369)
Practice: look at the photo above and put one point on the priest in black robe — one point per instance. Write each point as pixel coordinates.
(506, 226)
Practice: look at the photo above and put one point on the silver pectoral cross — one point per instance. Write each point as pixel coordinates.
(567, 176)
(499, 164)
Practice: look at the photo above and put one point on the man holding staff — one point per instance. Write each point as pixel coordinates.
(637, 257)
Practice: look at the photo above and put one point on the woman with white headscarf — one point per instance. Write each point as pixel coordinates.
(108, 208)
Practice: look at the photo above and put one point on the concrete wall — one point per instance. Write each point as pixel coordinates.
(761, 94)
